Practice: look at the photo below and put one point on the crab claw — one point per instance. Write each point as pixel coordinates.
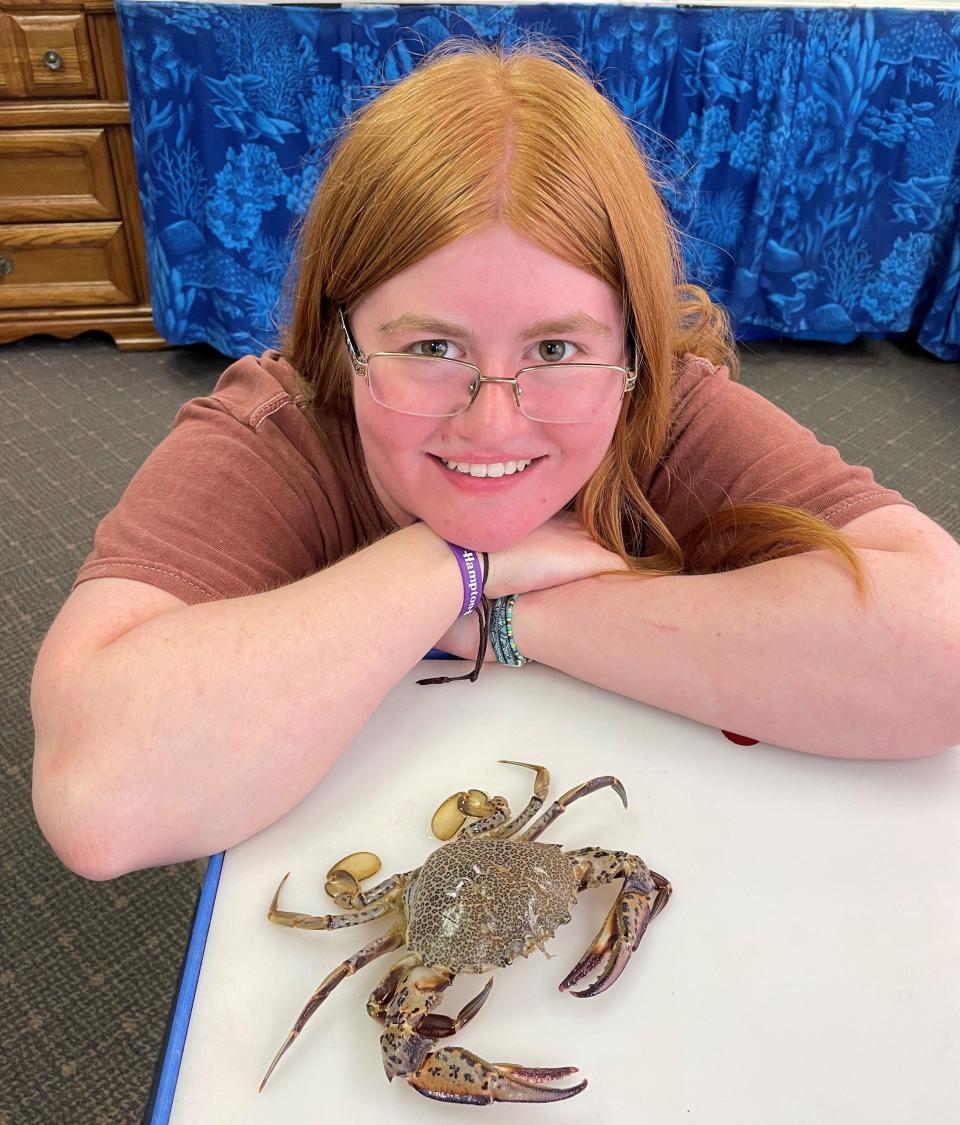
(454, 1074)
(615, 953)
(618, 937)
(437, 1026)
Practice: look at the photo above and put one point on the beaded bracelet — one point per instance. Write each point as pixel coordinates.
(501, 633)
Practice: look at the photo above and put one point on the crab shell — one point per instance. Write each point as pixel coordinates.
(477, 903)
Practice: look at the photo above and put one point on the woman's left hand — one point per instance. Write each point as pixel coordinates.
(463, 639)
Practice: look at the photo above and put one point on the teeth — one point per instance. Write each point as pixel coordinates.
(499, 469)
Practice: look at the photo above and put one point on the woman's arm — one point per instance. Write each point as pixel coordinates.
(782, 651)
(200, 726)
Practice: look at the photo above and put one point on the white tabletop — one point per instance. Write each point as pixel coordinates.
(804, 971)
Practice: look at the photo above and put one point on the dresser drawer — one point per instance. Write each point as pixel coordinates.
(45, 56)
(56, 174)
(43, 265)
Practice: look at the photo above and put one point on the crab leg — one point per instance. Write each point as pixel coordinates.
(380, 903)
(643, 895)
(392, 939)
(493, 812)
(393, 994)
(362, 899)
(541, 787)
(499, 811)
(383, 1000)
(561, 803)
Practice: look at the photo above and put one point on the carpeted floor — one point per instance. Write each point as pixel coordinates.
(90, 970)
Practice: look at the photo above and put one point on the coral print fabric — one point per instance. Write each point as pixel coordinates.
(811, 156)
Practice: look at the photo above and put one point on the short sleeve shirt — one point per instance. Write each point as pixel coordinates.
(247, 494)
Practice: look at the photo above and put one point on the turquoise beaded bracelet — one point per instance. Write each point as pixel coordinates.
(501, 633)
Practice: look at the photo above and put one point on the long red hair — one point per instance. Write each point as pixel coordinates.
(480, 134)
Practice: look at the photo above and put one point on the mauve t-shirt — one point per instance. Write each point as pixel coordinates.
(244, 495)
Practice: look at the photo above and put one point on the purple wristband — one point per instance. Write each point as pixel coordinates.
(472, 578)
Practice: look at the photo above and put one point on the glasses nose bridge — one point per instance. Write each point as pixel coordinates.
(514, 380)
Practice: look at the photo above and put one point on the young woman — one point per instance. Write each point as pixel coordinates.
(490, 347)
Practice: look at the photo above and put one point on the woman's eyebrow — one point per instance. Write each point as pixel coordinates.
(546, 327)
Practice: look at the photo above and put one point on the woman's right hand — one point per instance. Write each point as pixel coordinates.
(557, 552)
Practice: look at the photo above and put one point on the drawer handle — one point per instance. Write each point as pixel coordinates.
(6, 265)
(53, 60)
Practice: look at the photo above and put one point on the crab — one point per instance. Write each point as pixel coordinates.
(486, 896)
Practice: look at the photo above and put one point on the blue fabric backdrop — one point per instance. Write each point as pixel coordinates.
(813, 155)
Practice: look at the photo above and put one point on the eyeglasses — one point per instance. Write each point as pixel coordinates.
(435, 387)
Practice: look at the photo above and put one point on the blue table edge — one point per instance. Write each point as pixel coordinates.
(167, 1085)
(170, 1071)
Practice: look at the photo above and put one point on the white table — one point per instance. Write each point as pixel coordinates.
(805, 971)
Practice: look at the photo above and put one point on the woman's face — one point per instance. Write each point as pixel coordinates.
(488, 289)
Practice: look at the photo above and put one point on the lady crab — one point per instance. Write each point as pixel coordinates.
(478, 902)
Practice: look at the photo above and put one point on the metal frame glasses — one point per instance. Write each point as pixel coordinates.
(361, 365)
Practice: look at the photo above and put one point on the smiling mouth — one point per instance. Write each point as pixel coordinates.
(486, 469)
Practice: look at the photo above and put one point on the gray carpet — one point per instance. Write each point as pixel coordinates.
(89, 970)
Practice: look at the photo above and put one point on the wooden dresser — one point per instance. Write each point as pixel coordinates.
(71, 236)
